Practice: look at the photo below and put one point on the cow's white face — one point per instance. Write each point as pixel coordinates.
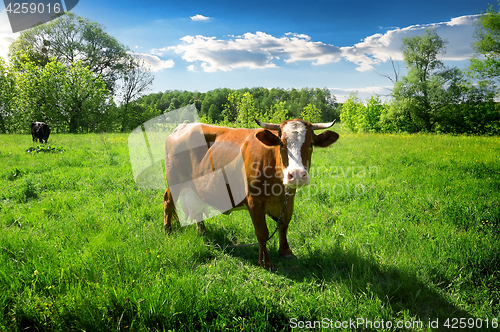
(296, 139)
(295, 175)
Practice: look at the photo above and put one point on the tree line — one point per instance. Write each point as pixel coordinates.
(239, 107)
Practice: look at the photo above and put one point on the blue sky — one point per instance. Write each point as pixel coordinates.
(340, 45)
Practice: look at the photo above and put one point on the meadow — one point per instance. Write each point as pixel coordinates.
(395, 233)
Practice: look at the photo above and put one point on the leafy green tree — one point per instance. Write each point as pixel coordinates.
(487, 45)
(213, 113)
(311, 113)
(231, 108)
(67, 97)
(373, 111)
(72, 38)
(278, 112)
(7, 92)
(398, 117)
(86, 103)
(217, 97)
(174, 104)
(349, 115)
(35, 99)
(473, 112)
(423, 97)
(247, 111)
(422, 85)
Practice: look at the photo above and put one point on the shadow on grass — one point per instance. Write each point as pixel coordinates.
(401, 290)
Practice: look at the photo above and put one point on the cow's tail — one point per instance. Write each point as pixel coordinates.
(170, 211)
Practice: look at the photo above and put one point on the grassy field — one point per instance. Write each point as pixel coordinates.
(396, 232)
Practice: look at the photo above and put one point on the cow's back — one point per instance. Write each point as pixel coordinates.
(216, 160)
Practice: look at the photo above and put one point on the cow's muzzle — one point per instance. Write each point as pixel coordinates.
(296, 178)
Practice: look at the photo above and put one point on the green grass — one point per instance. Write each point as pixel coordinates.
(393, 227)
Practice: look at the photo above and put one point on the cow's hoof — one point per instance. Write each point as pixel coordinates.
(270, 267)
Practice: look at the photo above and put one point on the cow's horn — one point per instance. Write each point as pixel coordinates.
(270, 126)
(317, 126)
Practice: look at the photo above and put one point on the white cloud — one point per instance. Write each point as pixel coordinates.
(5, 41)
(155, 62)
(199, 18)
(261, 50)
(458, 32)
(191, 68)
(253, 51)
(6, 35)
(159, 51)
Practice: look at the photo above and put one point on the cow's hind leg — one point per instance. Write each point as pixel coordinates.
(170, 212)
(200, 226)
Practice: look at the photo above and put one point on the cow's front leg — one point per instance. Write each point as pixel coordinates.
(284, 248)
(258, 216)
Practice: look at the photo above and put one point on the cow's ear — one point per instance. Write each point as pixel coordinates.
(325, 138)
(268, 138)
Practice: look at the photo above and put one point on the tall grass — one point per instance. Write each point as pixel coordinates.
(393, 227)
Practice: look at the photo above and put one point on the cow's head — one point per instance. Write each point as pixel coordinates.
(296, 139)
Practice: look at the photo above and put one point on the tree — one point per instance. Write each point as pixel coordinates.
(231, 110)
(487, 34)
(373, 110)
(278, 112)
(311, 113)
(246, 110)
(67, 97)
(7, 91)
(72, 38)
(349, 115)
(37, 89)
(434, 98)
(86, 103)
(137, 79)
(424, 85)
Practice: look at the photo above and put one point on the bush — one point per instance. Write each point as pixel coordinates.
(360, 118)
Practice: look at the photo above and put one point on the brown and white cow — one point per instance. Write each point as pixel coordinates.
(275, 157)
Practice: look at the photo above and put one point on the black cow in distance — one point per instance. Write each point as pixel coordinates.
(40, 130)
